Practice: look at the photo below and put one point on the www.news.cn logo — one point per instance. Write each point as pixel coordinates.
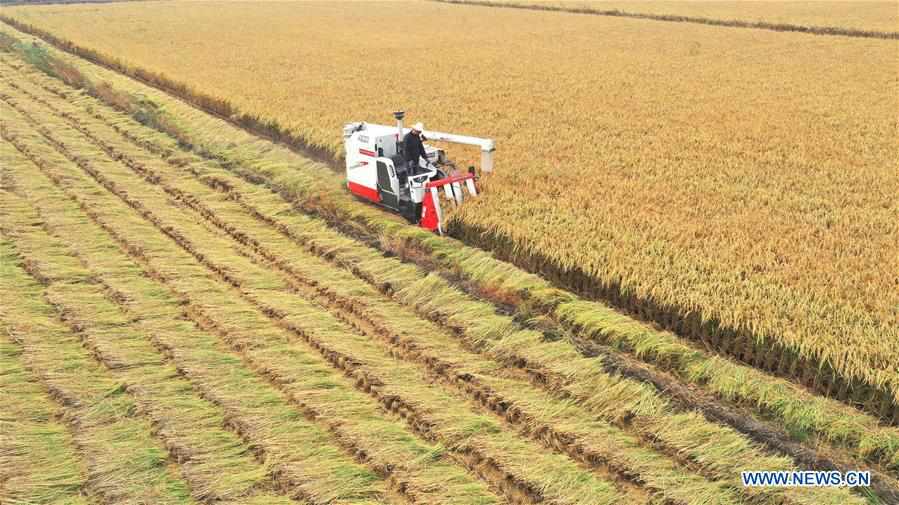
(805, 479)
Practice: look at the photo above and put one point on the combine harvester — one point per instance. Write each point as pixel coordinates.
(376, 171)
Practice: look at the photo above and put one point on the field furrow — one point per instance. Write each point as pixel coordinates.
(416, 469)
(434, 412)
(39, 462)
(684, 433)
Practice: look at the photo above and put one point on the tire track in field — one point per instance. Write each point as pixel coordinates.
(489, 399)
(136, 253)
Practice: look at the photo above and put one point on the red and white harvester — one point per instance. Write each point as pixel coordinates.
(376, 171)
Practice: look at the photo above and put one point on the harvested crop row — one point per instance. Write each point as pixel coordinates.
(418, 469)
(124, 347)
(800, 412)
(99, 412)
(299, 261)
(352, 256)
(216, 464)
(39, 463)
(433, 412)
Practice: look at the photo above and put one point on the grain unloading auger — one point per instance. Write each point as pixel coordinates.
(377, 171)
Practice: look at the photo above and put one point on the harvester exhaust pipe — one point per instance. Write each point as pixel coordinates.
(399, 115)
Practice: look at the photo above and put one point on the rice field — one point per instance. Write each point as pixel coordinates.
(199, 302)
(769, 233)
(827, 16)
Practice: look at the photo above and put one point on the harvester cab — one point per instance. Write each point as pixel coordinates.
(376, 171)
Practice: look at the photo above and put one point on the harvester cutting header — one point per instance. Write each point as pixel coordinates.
(391, 166)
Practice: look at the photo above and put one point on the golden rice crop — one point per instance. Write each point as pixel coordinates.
(745, 175)
(848, 14)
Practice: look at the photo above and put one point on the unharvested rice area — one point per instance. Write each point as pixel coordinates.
(252, 310)
(769, 234)
(863, 15)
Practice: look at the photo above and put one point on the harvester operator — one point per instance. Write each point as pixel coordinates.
(413, 149)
